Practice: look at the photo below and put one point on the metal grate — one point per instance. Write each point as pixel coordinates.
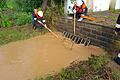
(76, 38)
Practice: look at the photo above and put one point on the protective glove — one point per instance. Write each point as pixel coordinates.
(44, 21)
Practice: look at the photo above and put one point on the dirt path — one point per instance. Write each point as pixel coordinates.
(37, 56)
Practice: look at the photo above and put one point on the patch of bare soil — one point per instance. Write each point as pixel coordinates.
(38, 56)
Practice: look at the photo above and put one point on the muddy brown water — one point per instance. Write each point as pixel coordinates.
(39, 56)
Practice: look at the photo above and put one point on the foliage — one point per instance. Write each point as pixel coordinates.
(19, 12)
(96, 62)
(70, 74)
(22, 18)
(27, 5)
(116, 75)
(58, 2)
(8, 35)
(2, 3)
(52, 13)
(93, 69)
(11, 4)
(0, 17)
(4, 21)
(65, 74)
(14, 18)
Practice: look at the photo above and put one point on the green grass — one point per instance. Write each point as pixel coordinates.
(112, 18)
(116, 75)
(97, 62)
(116, 45)
(22, 18)
(8, 35)
(114, 11)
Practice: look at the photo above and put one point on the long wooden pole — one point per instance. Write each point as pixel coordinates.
(74, 21)
(48, 29)
(52, 32)
(74, 27)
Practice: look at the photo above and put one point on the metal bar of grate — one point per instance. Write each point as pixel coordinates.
(76, 38)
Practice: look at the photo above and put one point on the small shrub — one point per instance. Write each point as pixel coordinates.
(2, 3)
(97, 62)
(22, 18)
(11, 4)
(14, 18)
(71, 73)
(52, 14)
(5, 21)
(116, 75)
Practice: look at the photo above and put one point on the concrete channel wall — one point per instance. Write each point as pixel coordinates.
(99, 35)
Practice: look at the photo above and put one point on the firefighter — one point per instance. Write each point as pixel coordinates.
(117, 29)
(37, 15)
(80, 9)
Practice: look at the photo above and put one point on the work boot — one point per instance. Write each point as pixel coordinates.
(34, 27)
(40, 28)
(117, 60)
(80, 19)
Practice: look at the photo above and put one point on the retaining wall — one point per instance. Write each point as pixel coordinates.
(100, 35)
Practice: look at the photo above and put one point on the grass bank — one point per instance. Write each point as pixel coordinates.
(93, 69)
(13, 34)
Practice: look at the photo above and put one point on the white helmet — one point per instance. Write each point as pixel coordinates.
(119, 55)
(40, 13)
(79, 2)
